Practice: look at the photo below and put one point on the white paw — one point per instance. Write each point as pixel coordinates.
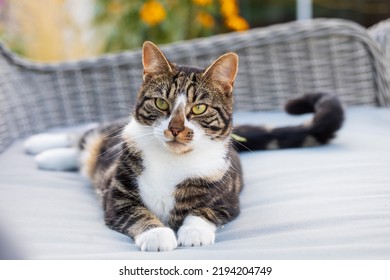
(157, 239)
(45, 141)
(196, 231)
(58, 159)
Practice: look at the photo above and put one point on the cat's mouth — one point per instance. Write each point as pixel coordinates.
(178, 147)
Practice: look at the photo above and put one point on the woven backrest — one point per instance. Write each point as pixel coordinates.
(381, 34)
(276, 64)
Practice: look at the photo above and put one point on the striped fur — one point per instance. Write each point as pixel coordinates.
(169, 165)
(171, 168)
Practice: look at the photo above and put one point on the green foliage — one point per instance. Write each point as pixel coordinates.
(123, 26)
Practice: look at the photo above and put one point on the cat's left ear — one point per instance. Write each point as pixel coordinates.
(154, 60)
(223, 71)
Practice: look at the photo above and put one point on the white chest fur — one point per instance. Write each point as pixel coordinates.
(164, 170)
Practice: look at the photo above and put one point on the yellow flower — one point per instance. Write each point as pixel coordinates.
(202, 2)
(152, 13)
(236, 23)
(205, 19)
(229, 7)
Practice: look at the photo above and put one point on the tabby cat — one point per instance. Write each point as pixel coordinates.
(171, 176)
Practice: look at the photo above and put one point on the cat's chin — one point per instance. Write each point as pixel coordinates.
(177, 147)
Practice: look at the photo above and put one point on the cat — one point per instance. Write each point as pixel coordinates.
(171, 175)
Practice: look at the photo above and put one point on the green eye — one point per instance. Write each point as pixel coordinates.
(162, 104)
(199, 109)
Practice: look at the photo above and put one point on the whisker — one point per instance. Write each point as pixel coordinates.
(111, 148)
(117, 155)
(242, 145)
(131, 109)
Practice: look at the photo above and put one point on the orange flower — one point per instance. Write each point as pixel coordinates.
(152, 13)
(202, 2)
(230, 11)
(229, 7)
(236, 23)
(205, 19)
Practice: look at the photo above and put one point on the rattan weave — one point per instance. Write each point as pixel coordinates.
(276, 63)
(381, 34)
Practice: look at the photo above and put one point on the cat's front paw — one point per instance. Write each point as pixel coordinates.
(196, 231)
(157, 239)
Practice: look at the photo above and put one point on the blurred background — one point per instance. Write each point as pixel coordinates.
(56, 30)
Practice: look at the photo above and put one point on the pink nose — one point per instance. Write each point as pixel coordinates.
(175, 131)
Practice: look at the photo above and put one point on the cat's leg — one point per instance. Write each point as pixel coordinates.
(46, 141)
(196, 231)
(60, 159)
(125, 213)
(157, 239)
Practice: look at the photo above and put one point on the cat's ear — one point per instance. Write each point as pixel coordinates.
(154, 60)
(223, 71)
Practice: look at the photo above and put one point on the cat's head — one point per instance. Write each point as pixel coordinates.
(184, 105)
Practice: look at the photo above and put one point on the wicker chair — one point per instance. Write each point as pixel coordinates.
(381, 34)
(276, 63)
(315, 203)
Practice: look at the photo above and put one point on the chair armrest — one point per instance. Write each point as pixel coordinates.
(380, 32)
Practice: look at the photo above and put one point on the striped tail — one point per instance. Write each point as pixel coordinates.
(328, 118)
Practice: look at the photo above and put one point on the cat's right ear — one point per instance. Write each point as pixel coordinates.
(223, 72)
(154, 60)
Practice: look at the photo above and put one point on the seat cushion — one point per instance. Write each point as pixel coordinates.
(328, 202)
